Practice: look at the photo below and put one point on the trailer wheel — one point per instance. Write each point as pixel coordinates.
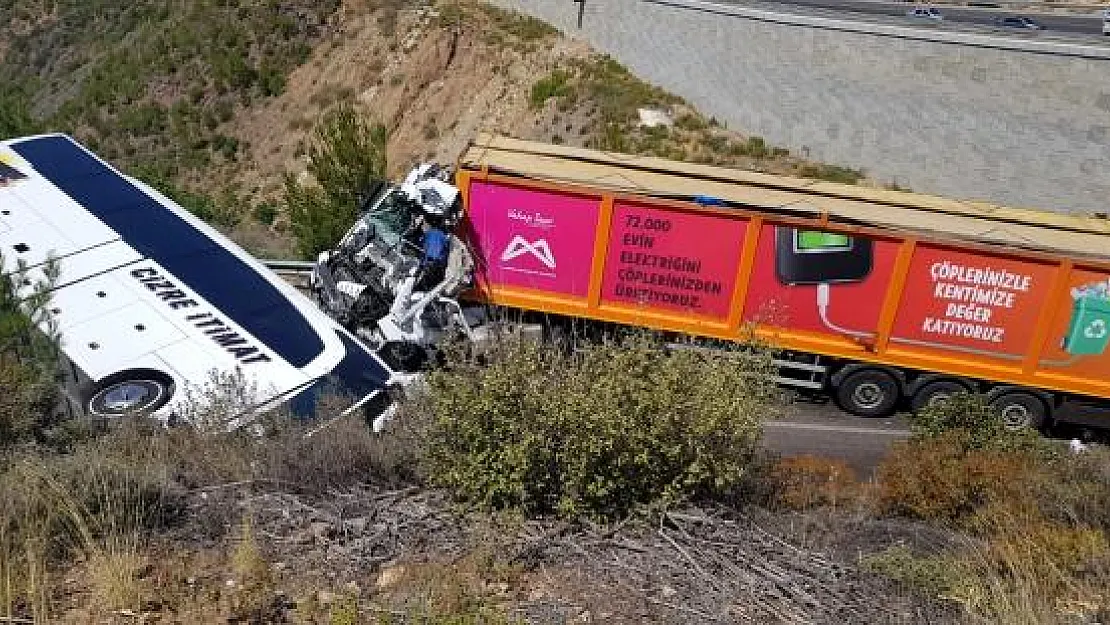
(132, 392)
(868, 393)
(1020, 410)
(934, 392)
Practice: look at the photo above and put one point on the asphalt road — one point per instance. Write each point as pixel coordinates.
(822, 429)
(1054, 24)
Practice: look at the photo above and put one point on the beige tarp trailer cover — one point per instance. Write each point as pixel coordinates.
(906, 213)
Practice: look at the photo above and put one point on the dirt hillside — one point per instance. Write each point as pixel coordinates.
(438, 73)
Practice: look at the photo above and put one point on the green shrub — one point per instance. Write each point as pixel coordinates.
(265, 213)
(554, 85)
(831, 173)
(691, 121)
(523, 27)
(978, 424)
(144, 120)
(151, 81)
(347, 153)
(15, 113)
(618, 93)
(755, 146)
(593, 433)
(28, 356)
(930, 574)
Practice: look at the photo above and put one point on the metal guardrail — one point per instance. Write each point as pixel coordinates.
(984, 35)
(289, 266)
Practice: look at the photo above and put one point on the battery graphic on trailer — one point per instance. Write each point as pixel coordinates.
(818, 257)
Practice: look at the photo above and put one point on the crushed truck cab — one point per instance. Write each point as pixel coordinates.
(395, 276)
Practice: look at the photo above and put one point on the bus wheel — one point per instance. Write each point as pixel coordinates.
(935, 392)
(131, 392)
(868, 393)
(1019, 410)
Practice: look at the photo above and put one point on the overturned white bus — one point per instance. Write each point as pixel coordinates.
(150, 300)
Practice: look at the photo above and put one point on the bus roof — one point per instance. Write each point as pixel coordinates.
(193, 256)
(130, 259)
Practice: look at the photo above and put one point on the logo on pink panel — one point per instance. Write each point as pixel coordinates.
(540, 249)
(534, 239)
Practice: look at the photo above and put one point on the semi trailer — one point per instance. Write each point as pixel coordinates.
(883, 299)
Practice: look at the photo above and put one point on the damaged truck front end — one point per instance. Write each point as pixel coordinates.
(394, 278)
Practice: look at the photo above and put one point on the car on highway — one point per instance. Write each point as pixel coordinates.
(929, 13)
(1018, 21)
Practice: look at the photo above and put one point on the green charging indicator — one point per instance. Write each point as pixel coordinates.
(817, 241)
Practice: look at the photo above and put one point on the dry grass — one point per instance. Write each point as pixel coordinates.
(1032, 521)
(82, 506)
(113, 573)
(100, 505)
(808, 482)
(1026, 522)
(252, 597)
(467, 588)
(1026, 545)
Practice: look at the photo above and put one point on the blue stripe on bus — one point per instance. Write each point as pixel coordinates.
(360, 371)
(356, 376)
(157, 233)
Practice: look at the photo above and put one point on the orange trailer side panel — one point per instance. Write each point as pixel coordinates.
(841, 290)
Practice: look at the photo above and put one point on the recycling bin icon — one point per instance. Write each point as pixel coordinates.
(1089, 328)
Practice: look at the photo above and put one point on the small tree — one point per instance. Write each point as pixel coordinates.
(15, 113)
(28, 354)
(346, 155)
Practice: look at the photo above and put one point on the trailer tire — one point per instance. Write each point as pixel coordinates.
(1019, 410)
(130, 392)
(868, 393)
(935, 391)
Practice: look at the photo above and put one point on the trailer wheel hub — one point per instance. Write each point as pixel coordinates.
(1016, 416)
(868, 395)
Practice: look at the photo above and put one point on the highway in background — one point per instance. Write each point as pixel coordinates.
(1086, 26)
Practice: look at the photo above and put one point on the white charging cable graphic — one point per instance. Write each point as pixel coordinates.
(823, 310)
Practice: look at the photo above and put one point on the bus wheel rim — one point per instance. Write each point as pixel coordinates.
(128, 396)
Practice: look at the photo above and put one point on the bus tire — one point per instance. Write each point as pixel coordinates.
(868, 393)
(131, 392)
(1019, 410)
(936, 391)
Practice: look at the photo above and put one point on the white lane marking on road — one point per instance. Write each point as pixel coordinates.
(794, 425)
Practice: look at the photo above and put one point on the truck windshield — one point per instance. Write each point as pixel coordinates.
(392, 217)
